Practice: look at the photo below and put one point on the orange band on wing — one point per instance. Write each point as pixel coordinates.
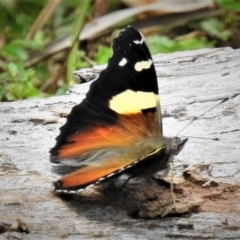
(129, 129)
(91, 174)
(96, 138)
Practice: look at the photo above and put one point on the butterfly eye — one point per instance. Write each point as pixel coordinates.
(177, 145)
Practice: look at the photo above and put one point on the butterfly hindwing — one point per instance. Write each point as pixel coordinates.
(117, 124)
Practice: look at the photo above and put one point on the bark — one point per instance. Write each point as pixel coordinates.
(208, 170)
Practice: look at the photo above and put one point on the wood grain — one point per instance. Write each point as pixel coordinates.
(190, 83)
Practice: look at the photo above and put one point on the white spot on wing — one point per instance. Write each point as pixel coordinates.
(139, 66)
(139, 42)
(89, 186)
(80, 190)
(72, 192)
(123, 62)
(111, 174)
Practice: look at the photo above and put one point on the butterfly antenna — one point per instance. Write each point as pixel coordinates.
(194, 119)
(214, 139)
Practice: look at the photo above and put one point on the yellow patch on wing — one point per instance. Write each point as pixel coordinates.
(139, 66)
(133, 102)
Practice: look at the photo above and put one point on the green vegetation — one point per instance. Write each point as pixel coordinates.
(21, 80)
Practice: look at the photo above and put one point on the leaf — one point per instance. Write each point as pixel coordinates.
(229, 4)
(103, 55)
(215, 28)
(13, 69)
(14, 51)
(21, 90)
(164, 44)
(161, 44)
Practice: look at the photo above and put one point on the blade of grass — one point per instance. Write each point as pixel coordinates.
(102, 23)
(83, 9)
(43, 17)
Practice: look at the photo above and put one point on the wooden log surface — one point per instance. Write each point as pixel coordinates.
(190, 83)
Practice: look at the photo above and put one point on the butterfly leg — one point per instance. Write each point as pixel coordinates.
(124, 184)
(171, 186)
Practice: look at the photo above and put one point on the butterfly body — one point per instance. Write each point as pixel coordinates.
(118, 125)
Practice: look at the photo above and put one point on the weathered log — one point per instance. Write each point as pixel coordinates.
(190, 83)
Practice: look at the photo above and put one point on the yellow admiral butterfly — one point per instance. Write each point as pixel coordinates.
(118, 126)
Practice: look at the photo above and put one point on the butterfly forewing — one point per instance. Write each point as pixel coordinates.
(117, 124)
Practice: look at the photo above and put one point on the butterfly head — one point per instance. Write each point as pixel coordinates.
(174, 145)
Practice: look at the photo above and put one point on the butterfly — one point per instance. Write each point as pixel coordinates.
(117, 128)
